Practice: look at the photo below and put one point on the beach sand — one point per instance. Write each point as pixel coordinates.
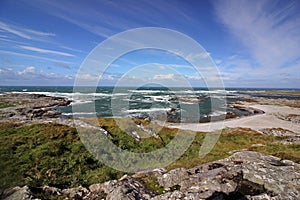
(270, 119)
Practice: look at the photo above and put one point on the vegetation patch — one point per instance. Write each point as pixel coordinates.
(53, 154)
(47, 154)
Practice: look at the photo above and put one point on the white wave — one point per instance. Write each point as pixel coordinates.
(79, 113)
(71, 95)
(163, 98)
(81, 102)
(217, 113)
(146, 110)
(147, 91)
(188, 103)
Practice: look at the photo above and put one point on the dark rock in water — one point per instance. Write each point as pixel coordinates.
(246, 109)
(173, 115)
(230, 115)
(188, 99)
(244, 175)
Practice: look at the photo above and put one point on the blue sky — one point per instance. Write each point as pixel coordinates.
(253, 43)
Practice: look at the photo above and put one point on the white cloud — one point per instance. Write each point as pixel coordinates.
(31, 76)
(46, 51)
(269, 29)
(86, 77)
(28, 70)
(164, 76)
(23, 32)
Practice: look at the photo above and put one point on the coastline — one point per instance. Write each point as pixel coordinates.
(267, 120)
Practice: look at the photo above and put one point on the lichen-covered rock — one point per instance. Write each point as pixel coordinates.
(244, 175)
(128, 188)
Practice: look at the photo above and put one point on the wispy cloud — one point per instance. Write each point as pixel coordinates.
(269, 29)
(62, 64)
(105, 18)
(30, 56)
(22, 32)
(45, 51)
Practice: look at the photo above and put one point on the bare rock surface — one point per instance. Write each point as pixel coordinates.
(244, 175)
(31, 107)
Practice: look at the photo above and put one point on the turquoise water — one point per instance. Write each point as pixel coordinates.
(141, 102)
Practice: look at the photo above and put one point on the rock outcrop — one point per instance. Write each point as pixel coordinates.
(244, 175)
(28, 107)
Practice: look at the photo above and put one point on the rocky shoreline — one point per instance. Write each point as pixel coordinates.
(244, 175)
(25, 108)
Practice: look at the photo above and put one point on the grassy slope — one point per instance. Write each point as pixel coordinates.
(51, 154)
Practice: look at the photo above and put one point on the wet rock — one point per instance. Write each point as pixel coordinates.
(173, 115)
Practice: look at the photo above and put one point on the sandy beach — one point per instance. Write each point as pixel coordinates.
(272, 118)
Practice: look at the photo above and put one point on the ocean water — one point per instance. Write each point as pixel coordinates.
(143, 102)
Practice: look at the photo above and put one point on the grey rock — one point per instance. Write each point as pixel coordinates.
(129, 188)
(75, 193)
(32, 106)
(244, 175)
(17, 193)
(290, 136)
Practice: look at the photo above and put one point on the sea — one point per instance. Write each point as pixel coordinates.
(146, 101)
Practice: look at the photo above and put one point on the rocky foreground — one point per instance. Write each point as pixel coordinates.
(244, 175)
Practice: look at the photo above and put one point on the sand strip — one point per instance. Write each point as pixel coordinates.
(256, 122)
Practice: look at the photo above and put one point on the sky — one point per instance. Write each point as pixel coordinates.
(254, 43)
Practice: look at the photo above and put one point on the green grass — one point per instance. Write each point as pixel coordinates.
(52, 154)
(47, 154)
(288, 152)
